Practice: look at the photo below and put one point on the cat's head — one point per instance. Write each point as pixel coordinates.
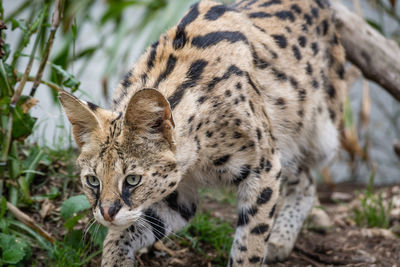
(128, 159)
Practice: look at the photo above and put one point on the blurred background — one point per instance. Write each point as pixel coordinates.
(87, 51)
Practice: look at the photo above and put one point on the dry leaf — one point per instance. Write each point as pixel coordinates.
(47, 208)
(28, 104)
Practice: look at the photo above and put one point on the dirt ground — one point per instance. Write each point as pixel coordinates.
(344, 244)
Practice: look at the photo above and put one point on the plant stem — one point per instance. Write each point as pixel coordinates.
(5, 78)
(21, 85)
(57, 16)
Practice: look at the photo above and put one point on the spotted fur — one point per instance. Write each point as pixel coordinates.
(248, 94)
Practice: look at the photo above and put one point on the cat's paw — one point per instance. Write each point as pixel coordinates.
(278, 250)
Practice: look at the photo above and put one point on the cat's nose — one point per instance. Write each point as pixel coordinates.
(109, 211)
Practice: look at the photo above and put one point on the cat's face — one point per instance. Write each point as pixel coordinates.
(127, 160)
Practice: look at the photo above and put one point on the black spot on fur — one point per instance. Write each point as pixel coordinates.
(340, 71)
(293, 82)
(259, 229)
(308, 19)
(244, 215)
(259, 15)
(270, 3)
(168, 69)
(201, 99)
(244, 173)
(232, 70)
(315, 48)
(309, 69)
(126, 82)
(185, 211)
(272, 212)
(331, 91)
(302, 41)
(295, 8)
(259, 134)
(216, 12)
(296, 52)
(325, 26)
(180, 36)
(257, 61)
(222, 160)
(285, 15)
(152, 56)
(192, 76)
(213, 38)
(315, 12)
(280, 40)
(278, 175)
(250, 81)
(268, 166)
(264, 196)
(315, 84)
(279, 74)
(254, 259)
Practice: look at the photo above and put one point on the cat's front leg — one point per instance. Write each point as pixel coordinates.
(161, 219)
(257, 199)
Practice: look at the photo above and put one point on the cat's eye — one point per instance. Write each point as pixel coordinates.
(133, 180)
(93, 181)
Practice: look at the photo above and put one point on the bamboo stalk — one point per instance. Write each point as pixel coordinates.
(57, 16)
(18, 92)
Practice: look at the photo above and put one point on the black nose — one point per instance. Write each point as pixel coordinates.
(109, 211)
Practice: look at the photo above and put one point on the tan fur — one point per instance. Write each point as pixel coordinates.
(248, 94)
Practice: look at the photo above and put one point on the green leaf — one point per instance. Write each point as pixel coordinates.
(98, 233)
(13, 256)
(18, 24)
(73, 205)
(70, 223)
(375, 25)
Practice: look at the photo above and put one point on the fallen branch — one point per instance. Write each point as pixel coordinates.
(377, 57)
(28, 221)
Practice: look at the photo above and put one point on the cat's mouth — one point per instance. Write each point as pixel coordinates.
(122, 220)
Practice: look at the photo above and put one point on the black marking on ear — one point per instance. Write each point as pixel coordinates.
(184, 211)
(259, 15)
(168, 69)
(192, 76)
(213, 38)
(156, 223)
(270, 3)
(152, 57)
(217, 11)
(92, 106)
(180, 36)
(264, 196)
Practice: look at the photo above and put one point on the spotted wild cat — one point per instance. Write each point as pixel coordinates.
(248, 94)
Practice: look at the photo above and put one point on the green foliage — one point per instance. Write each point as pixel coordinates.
(74, 205)
(207, 230)
(373, 212)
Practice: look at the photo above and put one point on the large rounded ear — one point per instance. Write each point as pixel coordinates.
(148, 113)
(82, 116)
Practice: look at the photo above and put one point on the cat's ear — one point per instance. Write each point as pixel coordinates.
(82, 116)
(149, 113)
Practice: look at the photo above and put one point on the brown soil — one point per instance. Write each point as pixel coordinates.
(344, 244)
